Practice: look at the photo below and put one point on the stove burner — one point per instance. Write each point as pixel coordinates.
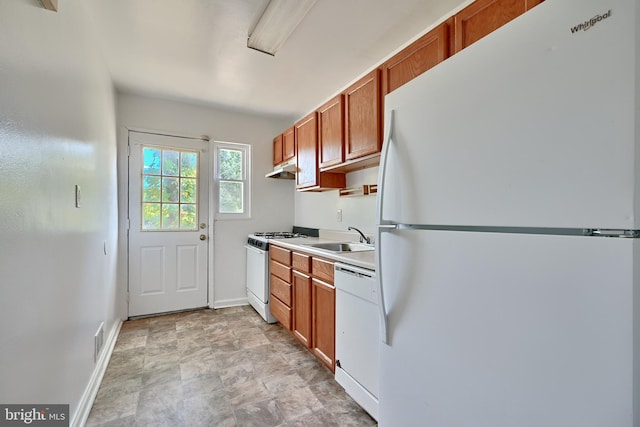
(261, 240)
(277, 235)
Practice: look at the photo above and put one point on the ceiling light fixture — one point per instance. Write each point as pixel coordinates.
(277, 23)
(50, 4)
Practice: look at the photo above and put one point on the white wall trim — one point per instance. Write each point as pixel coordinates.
(79, 419)
(230, 303)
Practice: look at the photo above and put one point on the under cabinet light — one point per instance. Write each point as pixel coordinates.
(277, 23)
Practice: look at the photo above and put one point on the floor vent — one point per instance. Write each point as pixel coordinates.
(98, 342)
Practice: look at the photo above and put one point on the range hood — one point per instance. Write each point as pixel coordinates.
(284, 170)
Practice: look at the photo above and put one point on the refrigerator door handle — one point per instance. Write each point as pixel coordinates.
(384, 322)
(383, 225)
(383, 168)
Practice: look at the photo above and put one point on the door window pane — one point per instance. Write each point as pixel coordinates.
(188, 164)
(151, 160)
(188, 216)
(188, 190)
(170, 163)
(151, 188)
(170, 218)
(169, 190)
(151, 216)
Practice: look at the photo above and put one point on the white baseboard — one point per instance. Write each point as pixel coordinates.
(79, 419)
(230, 303)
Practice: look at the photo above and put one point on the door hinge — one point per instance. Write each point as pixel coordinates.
(128, 224)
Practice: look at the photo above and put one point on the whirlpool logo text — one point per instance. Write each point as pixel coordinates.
(591, 22)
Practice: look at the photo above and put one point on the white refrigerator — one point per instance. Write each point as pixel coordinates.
(508, 256)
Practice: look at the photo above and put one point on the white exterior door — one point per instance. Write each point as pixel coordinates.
(168, 230)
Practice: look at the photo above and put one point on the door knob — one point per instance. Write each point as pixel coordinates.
(203, 237)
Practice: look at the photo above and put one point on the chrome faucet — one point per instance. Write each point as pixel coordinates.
(363, 238)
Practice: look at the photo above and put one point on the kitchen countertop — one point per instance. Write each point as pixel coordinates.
(364, 259)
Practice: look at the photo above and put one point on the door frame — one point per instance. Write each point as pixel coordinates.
(124, 187)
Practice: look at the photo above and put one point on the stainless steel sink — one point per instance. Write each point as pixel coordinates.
(342, 247)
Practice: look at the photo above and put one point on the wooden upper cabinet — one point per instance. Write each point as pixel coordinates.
(284, 147)
(277, 150)
(363, 117)
(331, 132)
(308, 176)
(306, 132)
(288, 144)
(421, 55)
(485, 16)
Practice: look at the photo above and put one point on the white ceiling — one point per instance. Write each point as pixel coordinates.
(195, 50)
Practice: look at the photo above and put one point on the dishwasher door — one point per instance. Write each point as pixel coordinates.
(357, 335)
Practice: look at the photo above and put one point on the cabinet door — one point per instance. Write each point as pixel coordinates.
(302, 308)
(331, 132)
(277, 150)
(485, 16)
(306, 132)
(363, 128)
(288, 144)
(324, 322)
(421, 55)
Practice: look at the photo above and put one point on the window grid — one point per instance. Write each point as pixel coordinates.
(232, 180)
(169, 189)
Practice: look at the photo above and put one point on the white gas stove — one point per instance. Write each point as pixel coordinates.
(258, 270)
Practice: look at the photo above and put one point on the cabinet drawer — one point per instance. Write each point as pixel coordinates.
(302, 262)
(322, 269)
(283, 256)
(281, 289)
(281, 312)
(280, 271)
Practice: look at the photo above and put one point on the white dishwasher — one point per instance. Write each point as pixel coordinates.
(357, 335)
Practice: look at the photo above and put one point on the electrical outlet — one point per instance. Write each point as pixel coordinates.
(339, 215)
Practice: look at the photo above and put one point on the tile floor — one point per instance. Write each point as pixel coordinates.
(223, 367)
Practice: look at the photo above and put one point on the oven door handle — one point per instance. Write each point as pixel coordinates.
(254, 249)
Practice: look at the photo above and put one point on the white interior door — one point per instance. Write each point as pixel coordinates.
(168, 231)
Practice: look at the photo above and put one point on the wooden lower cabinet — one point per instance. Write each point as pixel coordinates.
(281, 311)
(323, 297)
(303, 300)
(302, 308)
(280, 285)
